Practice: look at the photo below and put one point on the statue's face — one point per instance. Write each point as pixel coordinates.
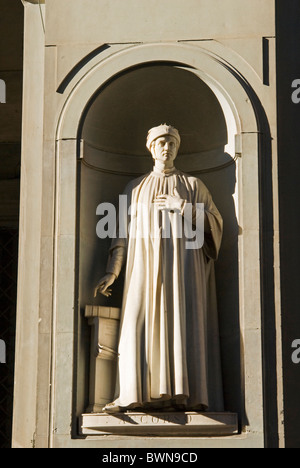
(165, 149)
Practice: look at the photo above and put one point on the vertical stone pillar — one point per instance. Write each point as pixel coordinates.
(104, 322)
(26, 370)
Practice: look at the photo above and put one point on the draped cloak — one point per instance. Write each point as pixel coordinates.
(169, 337)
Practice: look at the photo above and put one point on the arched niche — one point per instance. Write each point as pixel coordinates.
(113, 135)
(236, 194)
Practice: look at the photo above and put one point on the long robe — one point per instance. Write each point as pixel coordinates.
(169, 338)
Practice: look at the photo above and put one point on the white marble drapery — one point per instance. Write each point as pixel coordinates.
(169, 337)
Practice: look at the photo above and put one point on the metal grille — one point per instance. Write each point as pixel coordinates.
(8, 292)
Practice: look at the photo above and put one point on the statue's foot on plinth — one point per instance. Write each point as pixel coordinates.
(111, 408)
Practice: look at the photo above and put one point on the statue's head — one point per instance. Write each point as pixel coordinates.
(163, 142)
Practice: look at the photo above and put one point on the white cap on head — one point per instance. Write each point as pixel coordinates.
(162, 130)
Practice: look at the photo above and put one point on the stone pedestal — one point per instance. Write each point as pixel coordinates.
(104, 322)
(160, 424)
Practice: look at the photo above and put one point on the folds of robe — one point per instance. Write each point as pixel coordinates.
(169, 351)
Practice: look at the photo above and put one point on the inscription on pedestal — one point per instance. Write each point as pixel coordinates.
(183, 424)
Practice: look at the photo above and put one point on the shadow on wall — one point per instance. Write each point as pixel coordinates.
(288, 70)
(222, 185)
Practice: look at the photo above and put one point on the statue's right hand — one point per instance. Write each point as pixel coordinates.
(104, 284)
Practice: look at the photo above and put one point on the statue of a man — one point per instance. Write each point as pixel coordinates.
(169, 339)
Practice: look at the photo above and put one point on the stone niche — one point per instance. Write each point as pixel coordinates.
(104, 120)
(113, 135)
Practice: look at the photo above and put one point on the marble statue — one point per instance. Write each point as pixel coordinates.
(169, 357)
